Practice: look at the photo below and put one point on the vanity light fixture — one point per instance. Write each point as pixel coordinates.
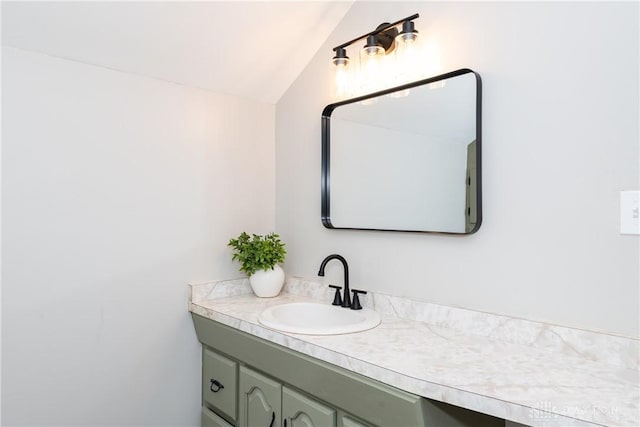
(384, 61)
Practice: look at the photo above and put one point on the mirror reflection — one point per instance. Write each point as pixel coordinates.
(406, 159)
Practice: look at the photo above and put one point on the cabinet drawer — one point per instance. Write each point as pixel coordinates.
(211, 419)
(219, 387)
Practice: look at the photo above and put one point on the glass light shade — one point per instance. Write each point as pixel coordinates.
(407, 58)
(342, 78)
(371, 68)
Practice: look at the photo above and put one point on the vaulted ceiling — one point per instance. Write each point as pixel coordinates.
(249, 49)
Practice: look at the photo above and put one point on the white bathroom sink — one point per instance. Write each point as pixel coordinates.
(318, 319)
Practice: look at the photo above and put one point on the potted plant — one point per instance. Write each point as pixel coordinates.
(259, 257)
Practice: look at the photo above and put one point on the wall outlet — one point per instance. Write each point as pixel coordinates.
(629, 212)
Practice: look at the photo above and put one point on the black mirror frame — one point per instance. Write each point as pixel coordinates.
(325, 185)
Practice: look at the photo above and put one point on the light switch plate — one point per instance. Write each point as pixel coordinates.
(629, 212)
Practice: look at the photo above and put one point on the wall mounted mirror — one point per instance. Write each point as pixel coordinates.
(405, 159)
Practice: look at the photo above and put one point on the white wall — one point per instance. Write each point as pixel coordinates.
(117, 190)
(560, 129)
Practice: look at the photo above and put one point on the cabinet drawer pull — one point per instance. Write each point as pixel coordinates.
(273, 419)
(217, 384)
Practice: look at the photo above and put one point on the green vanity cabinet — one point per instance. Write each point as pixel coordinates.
(265, 384)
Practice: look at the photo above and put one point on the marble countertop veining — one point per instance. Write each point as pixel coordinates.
(534, 386)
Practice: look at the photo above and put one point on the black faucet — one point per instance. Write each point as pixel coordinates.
(346, 301)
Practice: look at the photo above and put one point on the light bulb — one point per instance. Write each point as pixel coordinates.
(407, 54)
(371, 66)
(342, 86)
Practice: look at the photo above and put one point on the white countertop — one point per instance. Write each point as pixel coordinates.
(533, 385)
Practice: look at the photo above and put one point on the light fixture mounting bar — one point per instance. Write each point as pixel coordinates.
(377, 31)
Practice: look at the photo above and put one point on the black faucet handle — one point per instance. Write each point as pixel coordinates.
(355, 304)
(337, 299)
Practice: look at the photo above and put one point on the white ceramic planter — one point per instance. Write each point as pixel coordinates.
(267, 283)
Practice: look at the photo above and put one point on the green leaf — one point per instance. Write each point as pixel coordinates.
(257, 252)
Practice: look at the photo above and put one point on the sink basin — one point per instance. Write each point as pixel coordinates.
(318, 319)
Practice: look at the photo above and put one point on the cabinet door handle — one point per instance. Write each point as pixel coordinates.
(217, 385)
(273, 419)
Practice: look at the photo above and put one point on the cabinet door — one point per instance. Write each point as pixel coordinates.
(300, 411)
(211, 419)
(348, 421)
(260, 400)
